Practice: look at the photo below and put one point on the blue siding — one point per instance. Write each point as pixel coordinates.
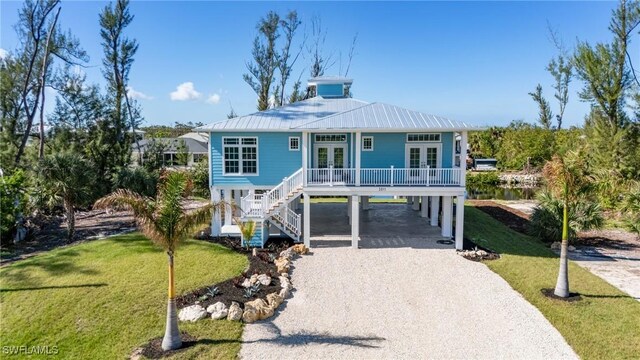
(258, 238)
(332, 90)
(389, 149)
(275, 161)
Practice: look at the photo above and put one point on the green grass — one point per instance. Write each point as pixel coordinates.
(100, 300)
(604, 325)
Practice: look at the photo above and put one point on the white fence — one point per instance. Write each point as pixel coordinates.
(384, 177)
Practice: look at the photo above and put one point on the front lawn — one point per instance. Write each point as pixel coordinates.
(100, 300)
(604, 325)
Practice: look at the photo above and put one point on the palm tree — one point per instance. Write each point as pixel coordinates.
(248, 229)
(68, 177)
(165, 222)
(566, 179)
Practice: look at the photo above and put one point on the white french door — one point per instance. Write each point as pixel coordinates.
(330, 155)
(422, 156)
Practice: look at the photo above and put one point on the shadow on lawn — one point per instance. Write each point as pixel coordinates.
(54, 287)
(302, 338)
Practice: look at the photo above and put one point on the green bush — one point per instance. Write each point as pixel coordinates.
(483, 178)
(138, 180)
(199, 176)
(13, 200)
(546, 220)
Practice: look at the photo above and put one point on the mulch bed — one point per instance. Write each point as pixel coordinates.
(153, 349)
(573, 297)
(512, 218)
(232, 290)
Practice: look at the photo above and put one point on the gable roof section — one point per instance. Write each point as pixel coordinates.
(286, 117)
(380, 116)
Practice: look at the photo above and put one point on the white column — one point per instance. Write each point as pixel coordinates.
(355, 222)
(447, 215)
(358, 150)
(227, 209)
(216, 222)
(238, 201)
(435, 209)
(409, 200)
(424, 210)
(305, 157)
(306, 231)
(365, 203)
(349, 209)
(416, 203)
(459, 221)
(463, 158)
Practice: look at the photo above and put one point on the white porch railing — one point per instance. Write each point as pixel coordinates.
(279, 193)
(290, 220)
(385, 177)
(252, 205)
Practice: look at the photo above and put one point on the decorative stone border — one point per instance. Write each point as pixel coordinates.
(258, 309)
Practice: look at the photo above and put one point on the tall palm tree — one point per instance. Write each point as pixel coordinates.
(67, 177)
(566, 179)
(165, 222)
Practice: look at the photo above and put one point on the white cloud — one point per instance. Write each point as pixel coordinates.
(185, 91)
(137, 94)
(213, 99)
(3, 53)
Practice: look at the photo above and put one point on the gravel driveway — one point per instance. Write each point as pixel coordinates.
(418, 300)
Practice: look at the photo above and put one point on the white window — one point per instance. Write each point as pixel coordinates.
(367, 143)
(240, 155)
(331, 138)
(426, 137)
(294, 143)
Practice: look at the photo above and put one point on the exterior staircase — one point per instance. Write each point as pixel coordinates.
(273, 206)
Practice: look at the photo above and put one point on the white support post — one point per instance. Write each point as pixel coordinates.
(463, 158)
(216, 222)
(365, 203)
(409, 200)
(416, 203)
(447, 215)
(424, 210)
(305, 158)
(306, 231)
(227, 208)
(358, 151)
(435, 209)
(349, 209)
(355, 222)
(459, 221)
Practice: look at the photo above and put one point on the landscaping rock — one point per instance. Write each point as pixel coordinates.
(284, 280)
(571, 248)
(556, 245)
(192, 313)
(282, 264)
(246, 283)
(235, 312)
(218, 311)
(264, 279)
(284, 292)
(274, 300)
(300, 249)
(287, 254)
(255, 310)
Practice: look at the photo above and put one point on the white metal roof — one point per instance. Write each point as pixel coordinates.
(338, 113)
(330, 80)
(287, 117)
(380, 116)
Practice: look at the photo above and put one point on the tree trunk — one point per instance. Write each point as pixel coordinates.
(171, 340)
(71, 220)
(562, 285)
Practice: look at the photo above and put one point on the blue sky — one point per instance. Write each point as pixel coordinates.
(470, 61)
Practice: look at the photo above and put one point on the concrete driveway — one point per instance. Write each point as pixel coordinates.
(412, 298)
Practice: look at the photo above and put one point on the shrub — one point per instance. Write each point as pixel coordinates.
(546, 220)
(483, 178)
(138, 180)
(13, 201)
(199, 175)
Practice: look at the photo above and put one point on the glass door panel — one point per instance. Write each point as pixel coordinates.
(323, 157)
(338, 157)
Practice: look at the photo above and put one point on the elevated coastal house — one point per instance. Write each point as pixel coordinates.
(334, 145)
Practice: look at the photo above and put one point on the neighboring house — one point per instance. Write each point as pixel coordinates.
(192, 145)
(333, 145)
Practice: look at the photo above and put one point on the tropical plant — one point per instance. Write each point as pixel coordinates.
(165, 222)
(251, 291)
(12, 201)
(138, 180)
(69, 178)
(247, 229)
(547, 217)
(567, 180)
(213, 291)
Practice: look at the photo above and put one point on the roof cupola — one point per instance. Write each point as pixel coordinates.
(329, 86)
